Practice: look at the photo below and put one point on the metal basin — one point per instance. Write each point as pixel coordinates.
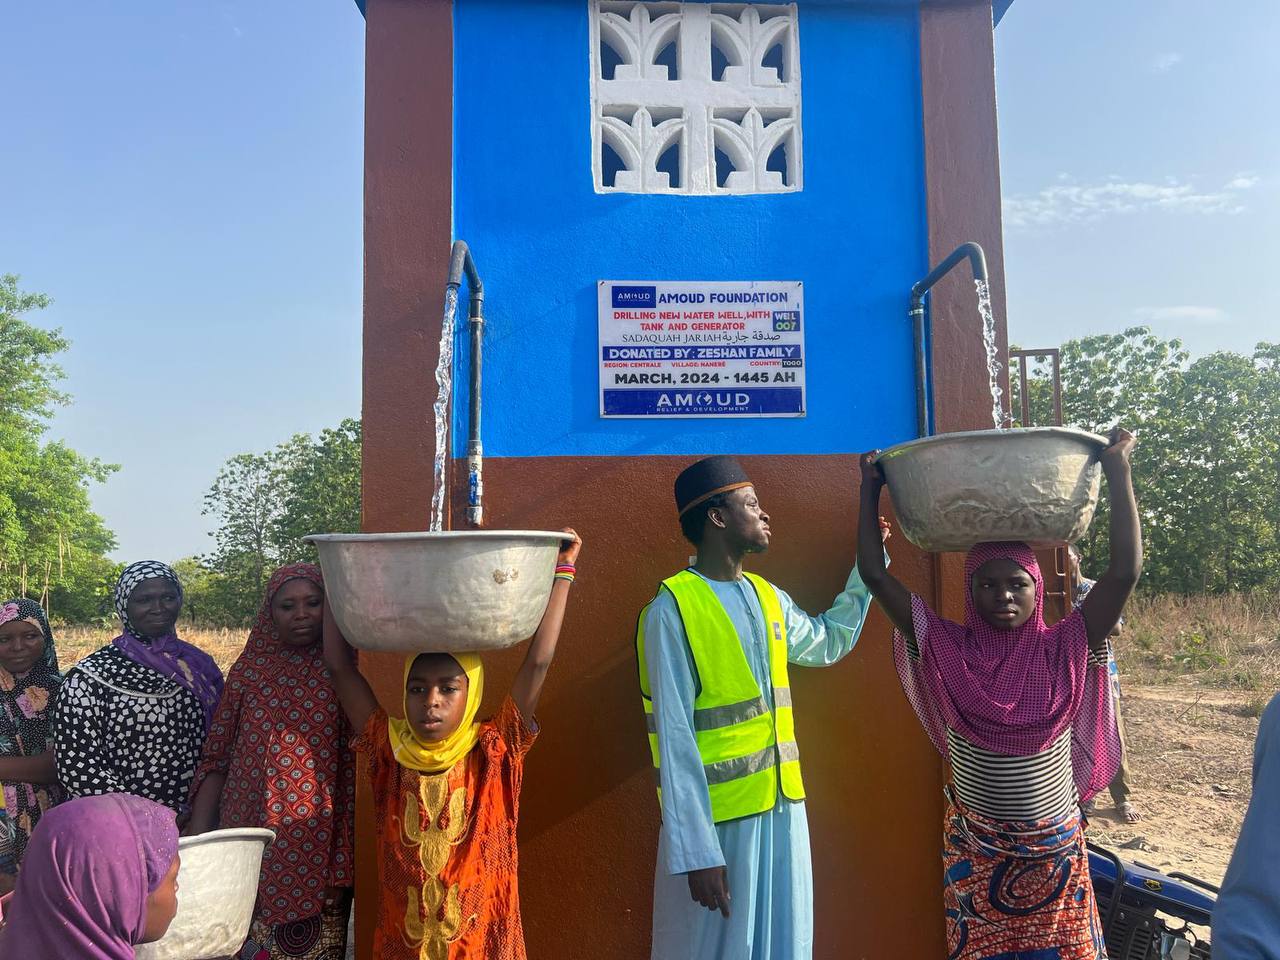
(217, 888)
(456, 591)
(953, 490)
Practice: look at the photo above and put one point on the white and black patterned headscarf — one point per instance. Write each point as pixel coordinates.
(135, 574)
(182, 662)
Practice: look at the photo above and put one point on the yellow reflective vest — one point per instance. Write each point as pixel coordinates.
(748, 752)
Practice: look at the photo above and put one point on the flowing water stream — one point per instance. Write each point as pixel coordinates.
(993, 353)
(444, 383)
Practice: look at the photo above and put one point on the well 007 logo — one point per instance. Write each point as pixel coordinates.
(786, 321)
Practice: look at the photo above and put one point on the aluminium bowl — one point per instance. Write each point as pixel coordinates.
(453, 591)
(217, 889)
(1036, 484)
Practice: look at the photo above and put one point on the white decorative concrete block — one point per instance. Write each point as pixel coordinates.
(638, 38)
(749, 143)
(639, 143)
(732, 105)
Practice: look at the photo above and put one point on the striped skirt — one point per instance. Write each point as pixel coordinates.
(1018, 890)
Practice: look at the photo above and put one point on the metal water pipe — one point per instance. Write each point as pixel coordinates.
(460, 263)
(978, 263)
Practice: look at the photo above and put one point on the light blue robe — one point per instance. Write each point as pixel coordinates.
(770, 872)
(1246, 918)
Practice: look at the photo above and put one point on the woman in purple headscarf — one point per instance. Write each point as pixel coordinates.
(133, 716)
(100, 877)
(1023, 715)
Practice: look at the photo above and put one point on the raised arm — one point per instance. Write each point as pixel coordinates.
(527, 687)
(1105, 602)
(894, 598)
(354, 692)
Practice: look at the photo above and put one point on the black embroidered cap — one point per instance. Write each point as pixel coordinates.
(701, 481)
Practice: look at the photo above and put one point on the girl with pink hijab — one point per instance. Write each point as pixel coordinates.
(1024, 717)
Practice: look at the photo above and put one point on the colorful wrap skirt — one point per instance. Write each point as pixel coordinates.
(322, 937)
(1018, 890)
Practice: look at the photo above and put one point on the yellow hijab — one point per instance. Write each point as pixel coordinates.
(437, 756)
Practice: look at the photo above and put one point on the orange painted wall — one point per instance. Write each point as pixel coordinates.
(589, 822)
(589, 825)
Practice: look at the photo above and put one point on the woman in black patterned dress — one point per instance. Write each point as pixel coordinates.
(133, 716)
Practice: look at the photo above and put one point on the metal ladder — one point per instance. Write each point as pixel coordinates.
(1060, 596)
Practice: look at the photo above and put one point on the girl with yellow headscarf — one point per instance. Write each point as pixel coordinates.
(446, 791)
(410, 748)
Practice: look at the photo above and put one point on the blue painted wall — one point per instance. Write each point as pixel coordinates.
(525, 202)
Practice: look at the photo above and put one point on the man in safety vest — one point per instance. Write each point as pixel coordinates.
(734, 879)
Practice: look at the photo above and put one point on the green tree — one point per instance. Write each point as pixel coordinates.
(1122, 379)
(28, 373)
(1119, 377)
(201, 593)
(264, 504)
(52, 545)
(1211, 496)
(244, 501)
(1207, 465)
(322, 488)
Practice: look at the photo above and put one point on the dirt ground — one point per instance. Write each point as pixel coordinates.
(1191, 756)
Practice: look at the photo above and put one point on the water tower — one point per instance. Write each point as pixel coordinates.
(658, 194)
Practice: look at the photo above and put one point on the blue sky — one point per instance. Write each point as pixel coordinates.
(1139, 155)
(184, 178)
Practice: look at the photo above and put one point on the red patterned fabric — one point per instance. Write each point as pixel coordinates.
(1018, 889)
(281, 739)
(447, 858)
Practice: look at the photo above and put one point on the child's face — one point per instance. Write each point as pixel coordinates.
(435, 696)
(21, 646)
(297, 610)
(162, 904)
(1004, 594)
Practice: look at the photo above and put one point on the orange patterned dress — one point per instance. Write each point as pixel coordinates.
(447, 846)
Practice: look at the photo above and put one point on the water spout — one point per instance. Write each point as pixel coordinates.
(978, 264)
